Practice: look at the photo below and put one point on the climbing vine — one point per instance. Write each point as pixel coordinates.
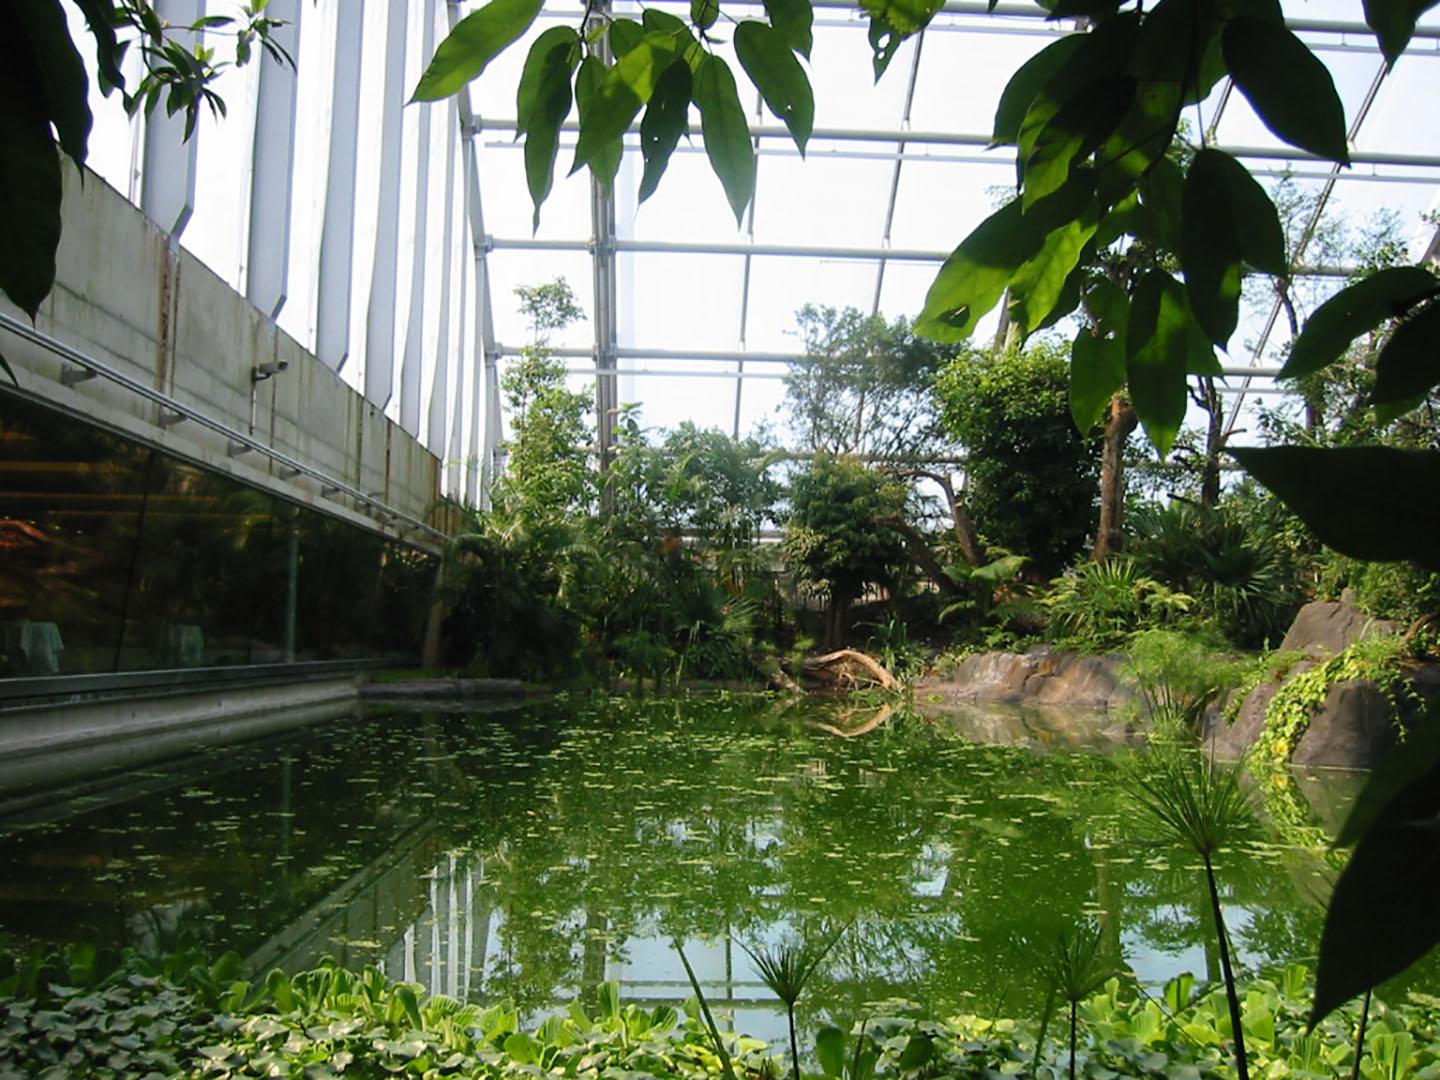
(1377, 659)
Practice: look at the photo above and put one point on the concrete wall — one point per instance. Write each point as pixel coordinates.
(125, 297)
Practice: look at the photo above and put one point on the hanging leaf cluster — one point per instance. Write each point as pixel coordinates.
(619, 71)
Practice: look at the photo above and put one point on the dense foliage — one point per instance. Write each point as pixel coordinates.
(182, 1018)
(1032, 476)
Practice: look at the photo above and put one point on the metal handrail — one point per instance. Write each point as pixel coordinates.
(329, 484)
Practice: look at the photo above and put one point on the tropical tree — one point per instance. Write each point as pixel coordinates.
(1032, 475)
(836, 541)
(548, 471)
(1095, 121)
(863, 387)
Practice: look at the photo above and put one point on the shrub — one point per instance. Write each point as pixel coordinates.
(1097, 606)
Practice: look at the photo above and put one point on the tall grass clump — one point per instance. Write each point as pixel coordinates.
(1202, 806)
(1076, 969)
(787, 969)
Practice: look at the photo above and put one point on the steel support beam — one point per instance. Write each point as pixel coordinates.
(272, 170)
(167, 178)
(380, 310)
(437, 433)
(410, 364)
(603, 247)
(337, 237)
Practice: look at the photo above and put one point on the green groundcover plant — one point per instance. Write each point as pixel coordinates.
(184, 1018)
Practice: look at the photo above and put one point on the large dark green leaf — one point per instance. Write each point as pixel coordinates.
(29, 175)
(677, 36)
(1069, 135)
(1394, 22)
(1409, 364)
(1227, 219)
(555, 44)
(1097, 370)
(605, 162)
(703, 13)
(1369, 502)
(1381, 917)
(1210, 247)
(1355, 310)
(628, 84)
(792, 20)
(1036, 286)
(1180, 44)
(782, 82)
(727, 135)
(546, 111)
(1025, 85)
(99, 16)
(1140, 140)
(885, 41)
(1157, 357)
(1289, 88)
(624, 35)
(1161, 197)
(666, 118)
(976, 274)
(476, 40)
(906, 16)
(63, 81)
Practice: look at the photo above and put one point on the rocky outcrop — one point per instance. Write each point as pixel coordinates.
(1356, 725)
(1041, 676)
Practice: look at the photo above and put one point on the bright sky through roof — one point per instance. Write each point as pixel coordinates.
(839, 197)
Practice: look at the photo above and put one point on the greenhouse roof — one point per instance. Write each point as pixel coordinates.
(695, 312)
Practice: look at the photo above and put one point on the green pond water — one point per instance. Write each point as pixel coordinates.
(528, 852)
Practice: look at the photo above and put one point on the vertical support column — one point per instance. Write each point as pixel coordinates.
(380, 311)
(602, 248)
(167, 179)
(414, 330)
(337, 239)
(438, 433)
(273, 168)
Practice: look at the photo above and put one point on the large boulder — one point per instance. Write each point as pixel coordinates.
(1041, 676)
(1356, 725)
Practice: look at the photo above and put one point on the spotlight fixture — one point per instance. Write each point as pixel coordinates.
(268, 370)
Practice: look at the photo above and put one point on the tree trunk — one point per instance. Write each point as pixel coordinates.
(966, 537)
(1110, 538)
(920, 554)
(1214, 444)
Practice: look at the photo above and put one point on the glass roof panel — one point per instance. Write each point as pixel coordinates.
(940, 201)
(511, 269)
(962, 72)
(780, 286)
(701, 309)
(829, 200)
(689, 204)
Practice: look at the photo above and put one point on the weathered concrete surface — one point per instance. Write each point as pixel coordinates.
(1042, 676)
(157, 314)
(41, 747)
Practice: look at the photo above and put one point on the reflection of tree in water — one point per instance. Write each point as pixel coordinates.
(948, 860)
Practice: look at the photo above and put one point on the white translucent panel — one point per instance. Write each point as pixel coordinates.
(512, 269)
(507, 205)
(760, 402)
(962, 75)
(780, 286)
(367, 186)
(904, 288)
(219, 226)
(688, 205)
(846, 95)
(441, 191)
(679, 301)
(703, 395)
(939, 202)
(1394, 123)
(832, 201)
(412, 120)
(314, 60)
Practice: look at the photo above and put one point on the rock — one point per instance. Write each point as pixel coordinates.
(1354, 729)
(1331, 626)
(1042, 676)
(1232, 741)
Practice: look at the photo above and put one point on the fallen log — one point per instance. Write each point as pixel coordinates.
(840, 667)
